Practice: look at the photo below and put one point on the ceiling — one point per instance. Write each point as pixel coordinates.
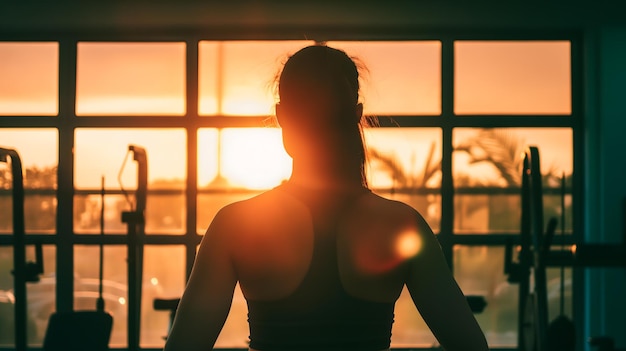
(30, 16)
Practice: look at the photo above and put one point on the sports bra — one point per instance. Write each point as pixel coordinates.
(320, 314)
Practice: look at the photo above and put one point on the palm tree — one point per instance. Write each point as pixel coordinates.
(498, 147)
(401, 178)
(403, 181)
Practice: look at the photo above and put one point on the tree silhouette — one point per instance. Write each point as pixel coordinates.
(402, 180)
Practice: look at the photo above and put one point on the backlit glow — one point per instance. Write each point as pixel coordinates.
(237, 77)
(254, 157)
(401, 77)
(253, 105)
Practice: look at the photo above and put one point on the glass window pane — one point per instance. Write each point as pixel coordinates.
(29, 78)
(237, 77)
(114, 285)
(478, 271)
(512, 77)
(251, 158)
(235, 164)
(167, 167)
(160, 281)
(409, 329)
(38, 152)
(165, 213)
(210, 201)
(254, 158)
(487, 167)
(40, 297)
(401, 77)
(405, 164)
(130, 79)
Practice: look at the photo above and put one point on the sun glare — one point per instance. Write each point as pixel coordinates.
(237, 77)
(254, 157)
(250, 106)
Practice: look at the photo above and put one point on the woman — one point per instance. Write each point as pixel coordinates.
(321, 260)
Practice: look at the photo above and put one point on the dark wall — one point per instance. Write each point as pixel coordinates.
(30, 15)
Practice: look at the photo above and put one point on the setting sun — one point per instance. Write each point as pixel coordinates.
(255, 157)
(252, 158)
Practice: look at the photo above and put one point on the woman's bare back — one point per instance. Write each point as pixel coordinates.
(362, 250)
(272, 249)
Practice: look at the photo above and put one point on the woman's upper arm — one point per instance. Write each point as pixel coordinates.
(438, 297)
(207, 298)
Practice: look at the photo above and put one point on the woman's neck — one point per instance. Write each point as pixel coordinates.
(326, 176)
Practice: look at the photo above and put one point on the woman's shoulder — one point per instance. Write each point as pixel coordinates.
(379, 206)
(265, 209)
(267, 201)
(390, 218)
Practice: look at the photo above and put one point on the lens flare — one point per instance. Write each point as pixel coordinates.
(376, 256)
(408, 244)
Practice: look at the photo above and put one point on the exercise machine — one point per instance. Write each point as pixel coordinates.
(23, 271)
(69, 331)
(536, 254)
(135, 220)
(82, 330)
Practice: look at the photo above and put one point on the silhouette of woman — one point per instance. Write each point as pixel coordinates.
(321, 259)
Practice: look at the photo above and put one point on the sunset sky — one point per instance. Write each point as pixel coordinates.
(237, 78)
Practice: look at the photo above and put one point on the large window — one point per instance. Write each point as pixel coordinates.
(455, 115)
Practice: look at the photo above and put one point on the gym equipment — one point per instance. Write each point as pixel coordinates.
(561, 333)
(167, 305)
(82, 330)
(535, 255)
(78, 331)
(23, 271)
(135, 220)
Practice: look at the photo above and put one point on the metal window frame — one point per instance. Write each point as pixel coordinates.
(66, 123)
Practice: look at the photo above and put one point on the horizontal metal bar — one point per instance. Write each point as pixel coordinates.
(350, 32)
(382, 191)
(228, 121)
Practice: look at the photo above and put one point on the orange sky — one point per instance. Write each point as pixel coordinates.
(149, 78)
(402, 77)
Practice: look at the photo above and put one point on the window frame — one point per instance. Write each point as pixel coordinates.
(66, 122)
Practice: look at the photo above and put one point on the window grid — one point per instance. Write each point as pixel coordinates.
(67, 121)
